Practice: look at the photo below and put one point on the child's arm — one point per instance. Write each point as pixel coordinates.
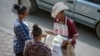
(50, 32)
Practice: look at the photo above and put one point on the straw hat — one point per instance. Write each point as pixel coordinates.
(58, 7)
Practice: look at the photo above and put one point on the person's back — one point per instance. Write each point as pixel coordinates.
(35, 47)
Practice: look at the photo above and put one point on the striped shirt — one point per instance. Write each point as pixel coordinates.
(36, 49)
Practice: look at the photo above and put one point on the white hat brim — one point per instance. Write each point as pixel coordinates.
(60, 6)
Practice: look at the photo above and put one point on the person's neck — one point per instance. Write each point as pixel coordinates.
(37, 39)
(20, 18)
(62, 20)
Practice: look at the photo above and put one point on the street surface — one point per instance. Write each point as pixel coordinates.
(87, 44)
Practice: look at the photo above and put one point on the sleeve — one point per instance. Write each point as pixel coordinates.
(72, 28)
(22, 33)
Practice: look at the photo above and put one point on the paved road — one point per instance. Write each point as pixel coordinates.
(88, 43)
(6, 42)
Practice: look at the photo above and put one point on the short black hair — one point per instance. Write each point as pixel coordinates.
(20, 8)
(36, 30)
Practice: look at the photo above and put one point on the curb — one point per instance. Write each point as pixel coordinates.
(6, 30)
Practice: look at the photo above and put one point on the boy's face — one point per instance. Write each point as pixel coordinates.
(60, 15)
(26, 12)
